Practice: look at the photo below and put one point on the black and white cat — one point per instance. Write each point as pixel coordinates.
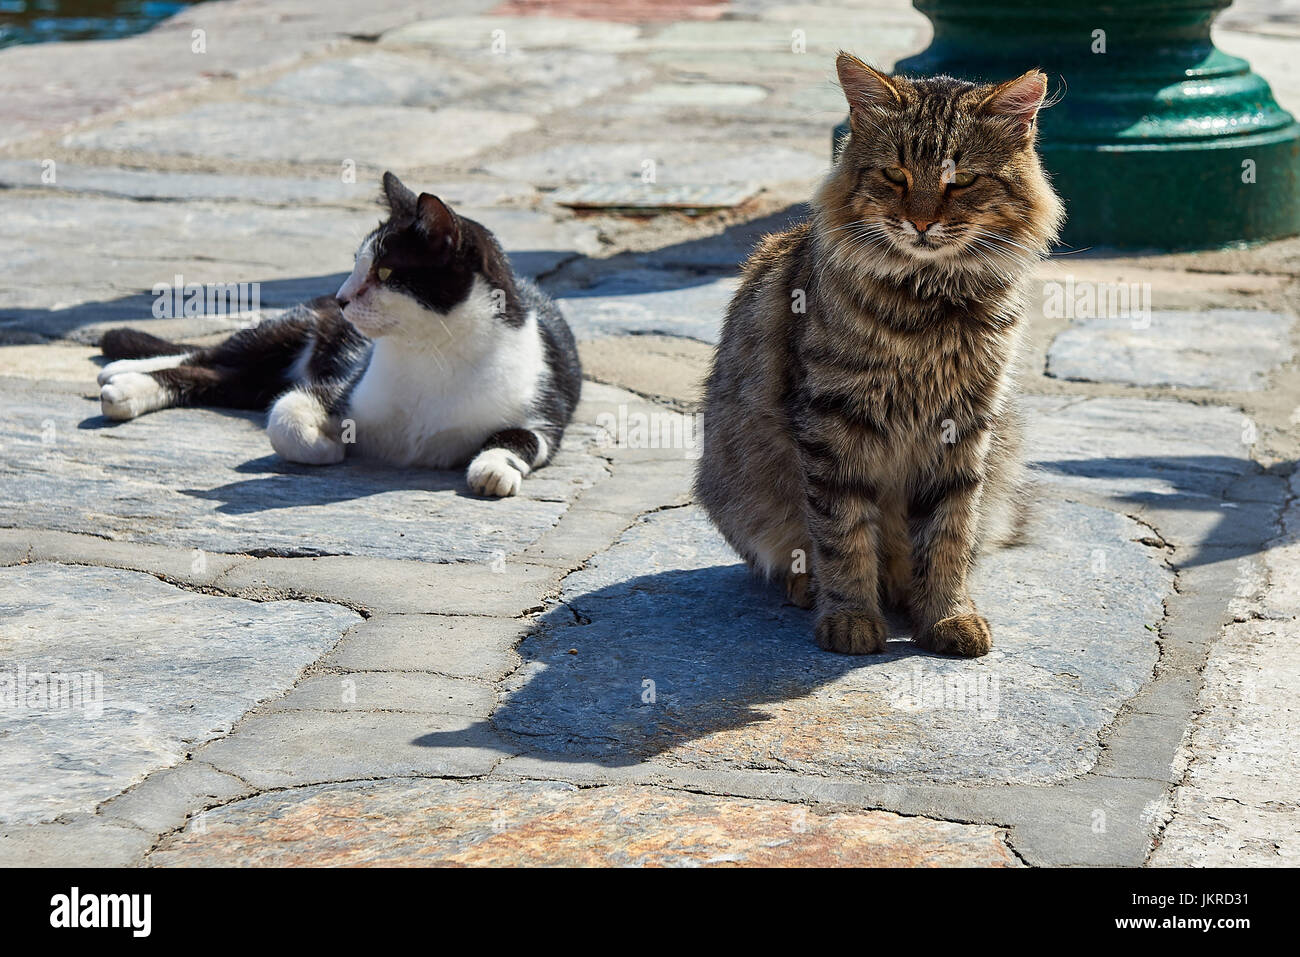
(432, 354)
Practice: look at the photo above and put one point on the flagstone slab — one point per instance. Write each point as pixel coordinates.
(379, 78)
(701, 95)
(293, 254)
(373, 136)
(177, 185)
(459, 646)
(140, 245)
(681, 655)
(294, 748)
(649, 197)
(815, 38)
(621, 11)
(166, 671)
(415, 691)
(538, 82)
(1235, 804)
(513, 81)
(541, 824)
(274, 190)
(208, 480)
(667, 161)
(506, 33)
(1141, 454)
(1224, 349)
(752, 66)
(637, 303)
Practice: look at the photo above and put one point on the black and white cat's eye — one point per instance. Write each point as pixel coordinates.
(383, 273)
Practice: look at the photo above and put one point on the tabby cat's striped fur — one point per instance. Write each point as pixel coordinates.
(861, 435)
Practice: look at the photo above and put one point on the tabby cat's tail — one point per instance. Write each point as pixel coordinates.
(132, 344)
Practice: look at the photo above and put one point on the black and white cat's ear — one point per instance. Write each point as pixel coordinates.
(401, 201)
(1019, 99)
(865, 87)
(438, 223)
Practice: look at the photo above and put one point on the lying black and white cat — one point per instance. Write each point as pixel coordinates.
(432, 354)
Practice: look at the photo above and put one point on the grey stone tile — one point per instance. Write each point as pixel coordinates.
(376, 78)
(639, 303)
(166, 670)
(1137, 450)
(388, 691)
(506, 33)
(1225, 349)
(669, 161)
(81, 841)
(463, 646)
(289, 749)
(164, 799)
(256, 131)
(501, 589)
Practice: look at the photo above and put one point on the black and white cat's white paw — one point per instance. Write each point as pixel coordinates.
(130, 394)
(497, 472)
(299, 429)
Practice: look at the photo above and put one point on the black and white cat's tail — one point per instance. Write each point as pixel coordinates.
(133, 344)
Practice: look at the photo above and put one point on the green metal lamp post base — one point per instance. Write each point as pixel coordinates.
(1161, 140)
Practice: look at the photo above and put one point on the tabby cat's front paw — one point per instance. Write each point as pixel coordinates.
(967, 635)
(852, 633)
(496, 472)
(800, 590)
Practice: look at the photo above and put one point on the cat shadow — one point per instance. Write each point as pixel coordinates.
(279, 484)
(1200, 484)
(99, 422)
(630, 670)
(691, 262)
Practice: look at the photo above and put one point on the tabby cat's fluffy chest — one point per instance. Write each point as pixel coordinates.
(909, 383)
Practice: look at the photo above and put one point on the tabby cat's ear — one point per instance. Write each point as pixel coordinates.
(438, 223)
(401, 201)
(1020, 99)
(864, 86)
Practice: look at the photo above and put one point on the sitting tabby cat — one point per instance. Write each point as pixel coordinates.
(861, 436)
(468, 362)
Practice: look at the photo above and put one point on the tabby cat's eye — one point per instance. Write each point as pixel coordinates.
(383, 274)
(895, 175)
(963, 179)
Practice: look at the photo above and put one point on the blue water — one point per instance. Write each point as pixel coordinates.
(44, 21)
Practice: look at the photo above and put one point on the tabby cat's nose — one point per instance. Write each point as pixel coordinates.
(922, 224)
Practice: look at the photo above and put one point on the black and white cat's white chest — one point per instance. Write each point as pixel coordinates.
(432, 398)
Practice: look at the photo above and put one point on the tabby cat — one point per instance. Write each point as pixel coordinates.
(861, 436)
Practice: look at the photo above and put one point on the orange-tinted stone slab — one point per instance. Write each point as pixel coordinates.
(415, 822)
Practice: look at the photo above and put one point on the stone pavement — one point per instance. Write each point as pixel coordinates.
(272, 664)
